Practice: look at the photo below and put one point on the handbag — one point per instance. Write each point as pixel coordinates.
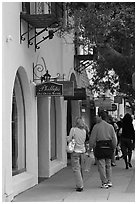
(120, 131)
(104, 149)
(71, 145)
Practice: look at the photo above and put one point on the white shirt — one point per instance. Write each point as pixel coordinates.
(80, 136)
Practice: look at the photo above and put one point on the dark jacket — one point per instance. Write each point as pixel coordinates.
(128, 131)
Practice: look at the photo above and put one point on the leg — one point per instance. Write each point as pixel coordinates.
(108, 170)
(95, 161)
(87, 163)
(102, 170)
(94, 156)
(129, 156)
(113, 159)
(124, 153)
(76, 167)
(129, 153)
(82, 163)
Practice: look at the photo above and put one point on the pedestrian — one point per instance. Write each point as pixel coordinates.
(77, 156)
(127, 139)
(119, 132)
(103, 139)
(113, 123)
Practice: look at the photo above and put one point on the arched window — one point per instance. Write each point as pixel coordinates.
(18, 129)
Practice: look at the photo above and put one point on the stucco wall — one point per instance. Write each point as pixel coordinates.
(15, 56)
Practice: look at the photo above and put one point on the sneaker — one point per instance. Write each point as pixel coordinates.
(109, 184)
(104, 185)
(130, 165)
(126, 166)
(113, 164)
(79, 189)
(86, 170)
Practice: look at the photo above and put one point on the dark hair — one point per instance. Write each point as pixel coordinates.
(127, 127)
(102, 114)
(127, 119)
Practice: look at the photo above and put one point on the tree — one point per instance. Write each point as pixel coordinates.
(110, 26)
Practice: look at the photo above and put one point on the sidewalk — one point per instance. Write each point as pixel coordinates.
(61, 187)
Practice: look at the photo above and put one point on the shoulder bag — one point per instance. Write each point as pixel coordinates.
(104, 149)
(71, 145)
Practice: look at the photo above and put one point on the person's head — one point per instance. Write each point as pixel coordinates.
(79, 122)
(120, 116)
(127, 119)
(98, 119)
(110, 119)
(102, 114)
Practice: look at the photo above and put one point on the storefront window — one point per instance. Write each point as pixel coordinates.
(18, 129)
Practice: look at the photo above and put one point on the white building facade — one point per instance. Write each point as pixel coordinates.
(27, 156)
(34, 129)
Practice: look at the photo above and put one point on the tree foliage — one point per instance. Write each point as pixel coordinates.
(110, 26)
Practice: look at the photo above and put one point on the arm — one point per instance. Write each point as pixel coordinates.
(133, 134)
(71, 134)
(92, 139)
(114, 138)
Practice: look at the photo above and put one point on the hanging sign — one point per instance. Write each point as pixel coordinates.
(68, 88)
(49, 89)
(103, 103)
(79, 94)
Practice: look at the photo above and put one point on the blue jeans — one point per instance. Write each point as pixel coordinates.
(105, 170)
(77, 162)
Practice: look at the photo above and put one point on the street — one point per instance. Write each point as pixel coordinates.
(61, 187)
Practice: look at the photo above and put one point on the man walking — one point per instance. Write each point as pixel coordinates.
(103, 139)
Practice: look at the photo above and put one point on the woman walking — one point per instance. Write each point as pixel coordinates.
(77, 157)
(127, 139)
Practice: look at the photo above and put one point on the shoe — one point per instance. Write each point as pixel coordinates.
(104, 185)
(79, 189)
(86, 170)
(130, 165)
(113, 164)
(126, 166)
(109, 184)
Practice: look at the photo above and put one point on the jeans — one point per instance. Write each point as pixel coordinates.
(126, 147)
(77, 162)
(105, 170)
(113, 157)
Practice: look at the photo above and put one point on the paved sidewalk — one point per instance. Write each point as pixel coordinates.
(61, 187)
